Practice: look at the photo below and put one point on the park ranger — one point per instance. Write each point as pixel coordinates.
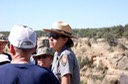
(65, 65)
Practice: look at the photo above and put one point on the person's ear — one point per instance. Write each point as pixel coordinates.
(34, 50)
(12, 50)
(65, 40)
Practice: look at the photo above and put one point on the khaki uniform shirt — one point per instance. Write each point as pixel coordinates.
(65, 62)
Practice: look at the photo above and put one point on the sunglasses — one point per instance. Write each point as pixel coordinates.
(56, 36)
(42, 57)
(3, 38)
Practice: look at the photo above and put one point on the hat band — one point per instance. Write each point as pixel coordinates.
(62, 31)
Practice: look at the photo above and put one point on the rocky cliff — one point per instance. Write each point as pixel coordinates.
(102, 62)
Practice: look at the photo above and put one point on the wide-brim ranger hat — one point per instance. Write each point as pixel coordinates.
(61, 27)
(3, 38)
(44, 51)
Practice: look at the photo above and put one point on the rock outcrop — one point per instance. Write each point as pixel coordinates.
(100, 62)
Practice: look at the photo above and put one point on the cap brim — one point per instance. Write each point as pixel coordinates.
(58, 32)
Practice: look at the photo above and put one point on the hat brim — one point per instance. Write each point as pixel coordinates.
(3, 40)
(58, 32)
(35, 56)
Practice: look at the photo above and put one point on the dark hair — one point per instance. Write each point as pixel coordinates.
(69, 43)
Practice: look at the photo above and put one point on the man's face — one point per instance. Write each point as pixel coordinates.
(2, 46)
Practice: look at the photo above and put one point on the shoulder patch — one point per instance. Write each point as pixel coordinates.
(64, 60)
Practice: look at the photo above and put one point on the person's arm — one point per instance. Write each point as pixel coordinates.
(65, 79)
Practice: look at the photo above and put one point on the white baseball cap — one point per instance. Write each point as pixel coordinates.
(22, 36)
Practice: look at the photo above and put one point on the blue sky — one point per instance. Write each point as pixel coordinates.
(40, 14)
